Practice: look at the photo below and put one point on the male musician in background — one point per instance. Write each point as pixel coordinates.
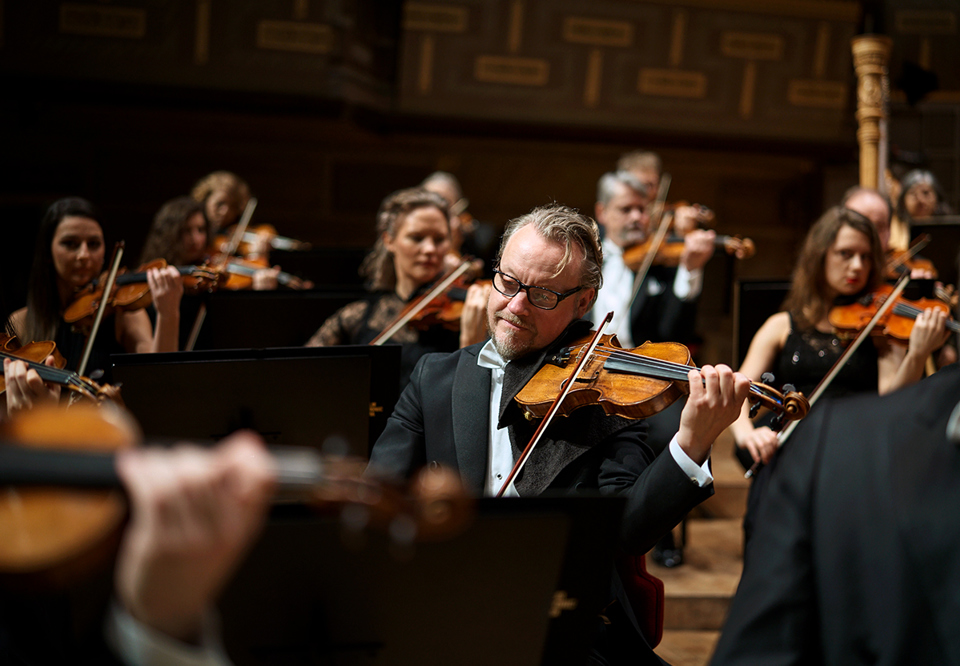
(647, 167)
(665, 306)
(458, 409)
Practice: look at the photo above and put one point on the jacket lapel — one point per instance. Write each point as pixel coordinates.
(471, 399)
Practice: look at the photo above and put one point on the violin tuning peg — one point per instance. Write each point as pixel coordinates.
(767, 378)
(754, 409)
(96, 375)
(789, 388)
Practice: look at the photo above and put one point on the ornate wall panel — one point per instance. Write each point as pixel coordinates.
(341, 50)
(726, 68)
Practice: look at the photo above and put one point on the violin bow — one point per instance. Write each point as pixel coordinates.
(909, 253)
(555, 407)
(663, 226)
(104, 299)
(838, 365)
(424, 301)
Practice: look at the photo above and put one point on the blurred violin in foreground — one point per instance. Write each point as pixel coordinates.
(61, 514)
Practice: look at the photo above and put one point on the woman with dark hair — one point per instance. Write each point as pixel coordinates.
(841, 260)
(69, 254)
(180, 234)
(413, 230)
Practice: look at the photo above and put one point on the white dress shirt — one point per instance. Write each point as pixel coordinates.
(618, 288)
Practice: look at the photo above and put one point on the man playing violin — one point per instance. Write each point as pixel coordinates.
(458, 409)
(665, 306)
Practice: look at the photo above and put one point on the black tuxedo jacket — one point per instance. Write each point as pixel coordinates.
(443, 417)
(856, 554)
(662, 317)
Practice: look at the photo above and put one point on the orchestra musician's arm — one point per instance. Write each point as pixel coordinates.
(473, 320)
(133, 327)
(766, 345)
(24, 388)
(901, 366)
(194, 514)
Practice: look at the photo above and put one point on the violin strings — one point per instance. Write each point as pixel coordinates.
(668, 369)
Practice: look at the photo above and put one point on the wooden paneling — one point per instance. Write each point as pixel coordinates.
(778, 70)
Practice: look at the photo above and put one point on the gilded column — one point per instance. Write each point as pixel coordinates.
(871, 53)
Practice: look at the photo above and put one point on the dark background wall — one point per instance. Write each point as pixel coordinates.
(324, 107)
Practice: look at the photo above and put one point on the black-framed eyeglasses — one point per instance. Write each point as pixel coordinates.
(540, 297)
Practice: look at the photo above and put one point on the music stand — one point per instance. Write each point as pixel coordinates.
(236, 319)
(484, 596)
(297, 396)
(754, 302)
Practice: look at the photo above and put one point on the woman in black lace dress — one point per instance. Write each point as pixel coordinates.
(838, 263)
(414, 236)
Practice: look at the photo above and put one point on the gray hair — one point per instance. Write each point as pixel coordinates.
(609, 183)
(640, 160)
(571, 229)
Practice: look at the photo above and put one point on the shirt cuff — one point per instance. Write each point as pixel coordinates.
(698, 474)
(139, 645)
(688, 284)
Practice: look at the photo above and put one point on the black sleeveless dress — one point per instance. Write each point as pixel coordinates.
(806, 357)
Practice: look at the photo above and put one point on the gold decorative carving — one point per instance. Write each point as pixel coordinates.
(673, 83)
(591, 92)
(821, 51)
(818, 94)
(201, 47)
(100, 21)
(597, 32)
(515, 33)
(870, 56)
(751, 45)
(748, 89)
(677, 35)
(507, 69)
(435, 18)
(425, 77)
(314, 38)
(827, 10)
(925, 22)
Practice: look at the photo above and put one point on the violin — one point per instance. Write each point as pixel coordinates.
(251, 238)
(907, 261)
(413, 309)
(132, 292)
(703, 216)
(671, 250)
(51, 535)
(632, 383)
(34, 354)
(445, 309)
(895, 324)
(238, 274)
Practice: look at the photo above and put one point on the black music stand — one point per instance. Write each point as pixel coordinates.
(482, 597)
(944, 244)
(261, 319)
(754, 301)
(297, 396)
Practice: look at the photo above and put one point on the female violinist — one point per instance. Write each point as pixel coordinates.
(413, 237)
(181, 235)
(223, 195)
(69, 254)
(838, 262)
